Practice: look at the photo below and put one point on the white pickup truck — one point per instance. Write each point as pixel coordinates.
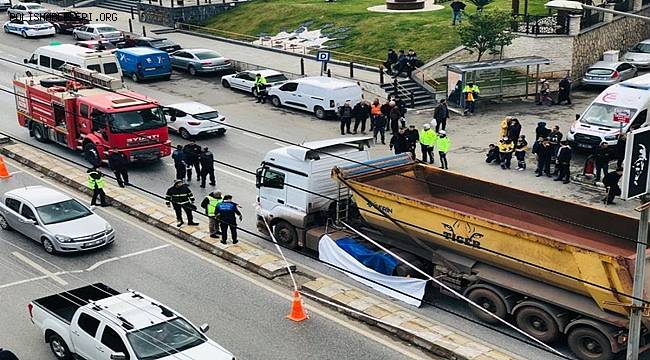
(96, 322)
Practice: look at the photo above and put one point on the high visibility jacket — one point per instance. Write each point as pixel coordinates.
(212, 205)
(95, 180)
(179, 195)
(375, 109)
(506, 147)
(443, 144)
(260, 81)
(428, 137)
(474, 90)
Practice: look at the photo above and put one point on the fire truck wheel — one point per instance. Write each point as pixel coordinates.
(39, 133)
(90, 153)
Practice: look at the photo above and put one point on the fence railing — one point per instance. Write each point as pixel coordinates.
(623, 5)
(591, 18)
(540, 25)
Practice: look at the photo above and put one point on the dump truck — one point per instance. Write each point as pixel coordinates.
(558, 270)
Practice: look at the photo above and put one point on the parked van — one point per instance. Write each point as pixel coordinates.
(617, 109)
(141, 63)
(51, 58)
(317, 94)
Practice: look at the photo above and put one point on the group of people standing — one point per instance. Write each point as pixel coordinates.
(383, 117)
(191, 156)
(396, 64)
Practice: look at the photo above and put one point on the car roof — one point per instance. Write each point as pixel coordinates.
(264, 72)
(29, 3)
(646, 41)
(194, 51)
(100, 25)
(149, 38)
(325, 82)
(39, 195)
(141, 50)
(192, 107)
(606, 65)
(138, 311)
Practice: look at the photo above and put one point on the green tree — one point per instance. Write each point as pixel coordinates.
(480, 4)
(486, 31)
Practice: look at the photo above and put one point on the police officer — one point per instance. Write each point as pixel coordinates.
(118, 162)
(471, 92)
(427, 142)
(226, 211)
(179, 162)
(96, 184)
(345, 114)
(191, 153)
(207, 167)
(563, 162)
(611, 185)
(260, 88)
(210, 203)
(180, 197)
(442, 143)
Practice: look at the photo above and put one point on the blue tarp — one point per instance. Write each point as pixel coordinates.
(379, 261)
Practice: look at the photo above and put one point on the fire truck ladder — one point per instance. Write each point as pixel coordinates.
(92, 77)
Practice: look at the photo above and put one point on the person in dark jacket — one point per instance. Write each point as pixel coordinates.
(544, 153)
(399, 142)
(611, 185)
(207, 167)
(118, 162)
(7, 355)
(456, 11)
(361, 113)
(129, 41)
(95, 182)
(391, 59)
(564, 162)
(412, 139)
(441, 114)
(412, 62)
(541, 131)
(385, 110)
(191, 153)
(380, 128)
(564, 91)
(555, 137)
(521, 148)
(179, 162)
(181, 198)
(394, 117)
(620, 149)
(227, 210)
(514, 129)
(402, 64)
(601, 160)
(345, 115)
(492, 155)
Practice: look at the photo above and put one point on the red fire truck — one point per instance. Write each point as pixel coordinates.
(93, 114)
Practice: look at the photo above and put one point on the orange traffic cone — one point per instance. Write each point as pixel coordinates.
(297, 312)
(3, 169)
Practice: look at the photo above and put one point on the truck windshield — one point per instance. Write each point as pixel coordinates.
(163, 339)
(131, 121)
(603, 115)
(62, 211)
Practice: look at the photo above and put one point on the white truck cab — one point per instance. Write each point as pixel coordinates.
(96, 322)
(295, 188)
(617, 109)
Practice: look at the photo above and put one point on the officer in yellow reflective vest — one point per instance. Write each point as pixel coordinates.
(470, 91)
(442, 143)
(427, 142)
(96, 184)
(210, 203)
(260, 88)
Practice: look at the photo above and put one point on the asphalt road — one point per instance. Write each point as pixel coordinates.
(236, 148)
(246, 313)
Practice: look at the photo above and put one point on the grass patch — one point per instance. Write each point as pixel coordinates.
(370, 34)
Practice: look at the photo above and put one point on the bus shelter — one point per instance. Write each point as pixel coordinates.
(495, 78)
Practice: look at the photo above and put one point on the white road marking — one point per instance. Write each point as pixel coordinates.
(23, 281)
(144, 251)
(249, 134)
(39, 268)
(100, 263)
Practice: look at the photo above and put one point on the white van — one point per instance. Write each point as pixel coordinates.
(618, 108)
(52, 57)
(318, 94)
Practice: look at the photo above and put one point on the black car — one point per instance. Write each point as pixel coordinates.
(158, 43)
(65, 21)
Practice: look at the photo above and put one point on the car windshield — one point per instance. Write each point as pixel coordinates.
(163, 339)
(36, 22)
(206, 115)
(161, 42)
(276, 78)
(62, 211)
(34, 7)
(603, 115)
(207, 55)
(641, 48)
(106, 29)
(131, 121)
(600, 72)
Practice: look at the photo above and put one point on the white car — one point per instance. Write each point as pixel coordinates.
(5, 4)
(639, 54)
(245, 80)
(29, 28)
(97, 32)
(24, 10)
(192, 118)
(55, 220)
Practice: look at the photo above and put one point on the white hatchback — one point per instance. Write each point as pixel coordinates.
(245, 80)
(192, 118)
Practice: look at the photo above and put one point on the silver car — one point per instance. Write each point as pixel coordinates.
(97, 32)
(200, 61)
(605, 73)
(639, 54)
(55, 220)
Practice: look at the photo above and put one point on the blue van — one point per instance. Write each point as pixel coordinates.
(140, 63)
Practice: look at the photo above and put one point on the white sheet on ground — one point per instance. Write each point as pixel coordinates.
(331, 253)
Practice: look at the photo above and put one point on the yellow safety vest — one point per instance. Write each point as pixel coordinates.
(427, 137)
(92, 182)
(212, 205)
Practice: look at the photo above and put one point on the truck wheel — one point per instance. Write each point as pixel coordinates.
(48, 246)
(589, 344)
(537, 323)
(184, 133)
(4, 224)
(39, 133)
(59, 347)
(90, 153)
(320, 112)
(276, 101)
(491, 302)
(286, 234)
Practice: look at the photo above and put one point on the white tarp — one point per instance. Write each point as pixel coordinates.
(331, 253)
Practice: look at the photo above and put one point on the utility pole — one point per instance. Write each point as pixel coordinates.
(636, 311)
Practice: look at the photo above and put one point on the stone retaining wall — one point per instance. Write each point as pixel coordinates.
(168, 16)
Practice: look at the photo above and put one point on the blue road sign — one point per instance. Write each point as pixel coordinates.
(323, 56)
